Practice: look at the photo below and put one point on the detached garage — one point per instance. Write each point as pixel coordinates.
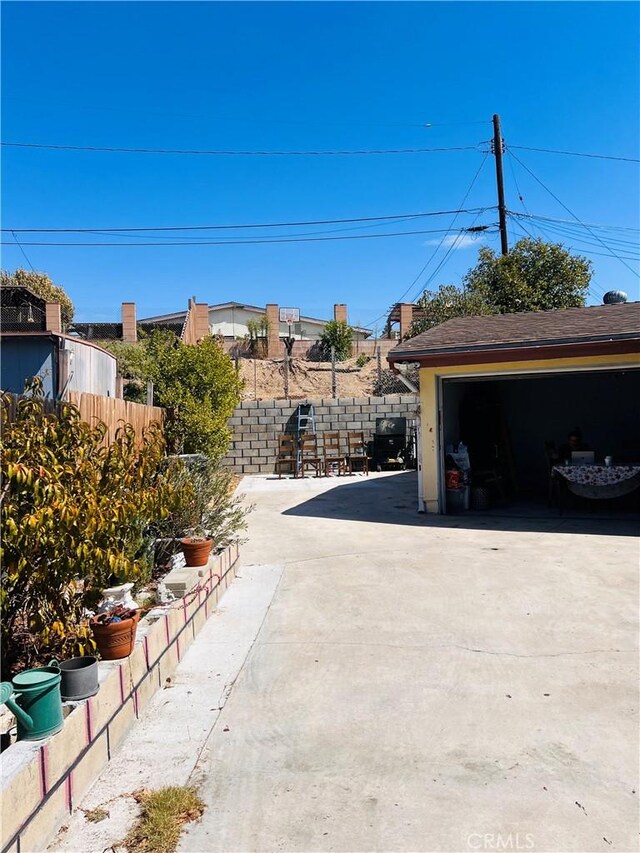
(511, 388)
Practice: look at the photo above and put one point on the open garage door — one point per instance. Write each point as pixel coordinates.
(509, 422)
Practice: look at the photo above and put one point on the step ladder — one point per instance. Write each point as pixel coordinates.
(306, 422)
(306, 418)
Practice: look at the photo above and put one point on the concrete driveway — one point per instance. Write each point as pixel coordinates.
(428, 684)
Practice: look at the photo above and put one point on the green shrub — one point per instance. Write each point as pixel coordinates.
(339, 335)
(206, 505)
(363, 359)
(77, 516)
(198, 385)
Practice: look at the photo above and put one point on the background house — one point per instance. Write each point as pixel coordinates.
(230, 320)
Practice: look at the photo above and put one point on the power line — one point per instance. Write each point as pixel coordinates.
(397, 216)
(434, 253)
(515, 181)
(220, 153)
(242, 242)
(457, 239)
(192, 239)
(574, 224)
(566, 231)
(23, 251)
(576, 153)
(571, 213)
(584, 251)
(575, 238)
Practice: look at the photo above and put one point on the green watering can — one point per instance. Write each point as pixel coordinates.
(34, 697)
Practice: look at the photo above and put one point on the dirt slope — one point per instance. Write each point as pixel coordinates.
(264, 379)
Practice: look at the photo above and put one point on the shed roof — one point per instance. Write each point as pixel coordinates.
(529, 329)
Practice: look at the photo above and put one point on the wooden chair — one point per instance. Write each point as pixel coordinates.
(309, 456)
(357, 451)
(287, 454)
(333, 457)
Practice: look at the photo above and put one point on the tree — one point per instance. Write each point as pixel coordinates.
(534, 276)
(199, 386)
(339, 335)
(133, 366)
(42, 285)
(447, 302)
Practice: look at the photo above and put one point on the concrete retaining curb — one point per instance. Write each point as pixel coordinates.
(41, 780)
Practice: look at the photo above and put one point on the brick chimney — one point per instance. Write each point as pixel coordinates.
(201, 311)
(129, 325)
(406, 318)
(340, 313)
(273, 342)
(53, 317)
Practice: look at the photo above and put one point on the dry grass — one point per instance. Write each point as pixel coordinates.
(96, 815)
(164, 813)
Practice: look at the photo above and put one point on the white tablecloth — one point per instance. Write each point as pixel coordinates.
(600, 481)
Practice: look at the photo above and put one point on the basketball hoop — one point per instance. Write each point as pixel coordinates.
(289, 316)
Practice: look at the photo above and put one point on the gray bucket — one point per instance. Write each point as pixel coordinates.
(79, 677)
(456, 500)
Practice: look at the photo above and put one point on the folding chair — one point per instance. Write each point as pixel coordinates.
(357, 451)
(333, 457)
(309, 457)
(287, 454)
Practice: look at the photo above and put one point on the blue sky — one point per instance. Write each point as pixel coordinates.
(291, 76)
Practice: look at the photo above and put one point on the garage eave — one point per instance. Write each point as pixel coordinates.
(533, 351)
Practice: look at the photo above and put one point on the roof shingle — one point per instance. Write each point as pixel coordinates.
(600, 322)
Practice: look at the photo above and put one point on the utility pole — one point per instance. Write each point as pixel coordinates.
(498, 149)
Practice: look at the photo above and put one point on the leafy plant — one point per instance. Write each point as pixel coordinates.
(534, 276)
(363, 359)
(339, 335)
(198, 385)
(257, 338)
(133, 366)
(76, 515)
(444, 304)
(42, 285)
(206, 505)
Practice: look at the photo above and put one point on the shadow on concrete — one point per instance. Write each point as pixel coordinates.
(393, 500)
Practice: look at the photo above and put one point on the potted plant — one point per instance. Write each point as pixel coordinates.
(196, 548)
(206, 513)
(115, 632)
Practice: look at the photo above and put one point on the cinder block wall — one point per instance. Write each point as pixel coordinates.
(256, 424)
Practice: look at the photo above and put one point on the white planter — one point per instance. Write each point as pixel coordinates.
(116, 595)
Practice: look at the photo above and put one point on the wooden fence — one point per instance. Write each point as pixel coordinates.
(112, 411)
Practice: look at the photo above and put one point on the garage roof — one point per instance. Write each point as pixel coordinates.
(541, 331)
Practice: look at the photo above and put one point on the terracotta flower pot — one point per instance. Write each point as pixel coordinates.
(115, 640)
(196, 550)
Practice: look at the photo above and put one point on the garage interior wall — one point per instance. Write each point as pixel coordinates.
(540, 408)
